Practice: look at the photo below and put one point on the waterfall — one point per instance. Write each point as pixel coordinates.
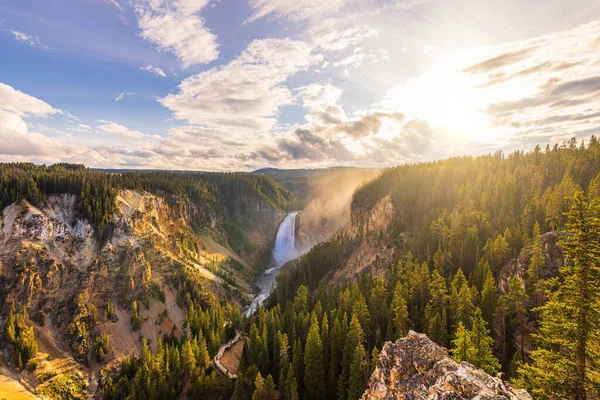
(285, 249)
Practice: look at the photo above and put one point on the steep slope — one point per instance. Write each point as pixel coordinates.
(459, 211)
(49, 259)
(76, 296)
(452, 246)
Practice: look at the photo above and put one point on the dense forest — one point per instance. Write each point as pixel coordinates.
(461, 221)
(455, 226)
(97, 190)
(461, 213)
(456, 223)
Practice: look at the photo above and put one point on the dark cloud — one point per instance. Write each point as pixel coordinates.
(578, 88)
(369, 124)
(552, 94)
(304, 145)
(331, 115)
(499, 61)
(317, 145)
(565, 118)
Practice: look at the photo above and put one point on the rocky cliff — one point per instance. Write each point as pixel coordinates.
(61, 273)
(414, 368)
(553, 260)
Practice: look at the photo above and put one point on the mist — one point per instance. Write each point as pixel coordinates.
(327, 208)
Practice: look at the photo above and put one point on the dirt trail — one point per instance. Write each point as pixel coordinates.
(219, 357)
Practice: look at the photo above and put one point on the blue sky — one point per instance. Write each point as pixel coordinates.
(242, 84)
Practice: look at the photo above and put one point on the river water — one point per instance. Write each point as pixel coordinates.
(284, 250)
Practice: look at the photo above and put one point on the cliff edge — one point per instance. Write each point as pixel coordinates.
(414, 367)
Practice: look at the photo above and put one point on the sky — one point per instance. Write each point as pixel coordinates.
(225, 85)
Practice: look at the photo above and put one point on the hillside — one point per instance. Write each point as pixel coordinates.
(464, 250)
(459, 211)
(166, 256)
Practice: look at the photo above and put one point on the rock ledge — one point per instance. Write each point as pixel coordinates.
(414, 367)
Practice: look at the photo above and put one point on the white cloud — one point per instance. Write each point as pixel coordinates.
(122, 95)
(296, 10)
(336, 34)
(83, 128)
(154, 70)
(29, 39)
(23, 104)
(22, 36)
(330, 136)
(317, 97)
(15, 136)
(116, 4)
(176, 26)
(120, 130)
(17, 140)
(246, 93)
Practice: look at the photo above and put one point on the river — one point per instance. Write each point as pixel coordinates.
(284, 250)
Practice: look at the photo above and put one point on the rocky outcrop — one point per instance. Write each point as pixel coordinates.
(414, 367)
(49, 258)
(552, 261)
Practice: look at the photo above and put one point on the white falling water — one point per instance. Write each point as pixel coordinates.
(284, 249)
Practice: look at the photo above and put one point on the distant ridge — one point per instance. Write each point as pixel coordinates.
(122, 171)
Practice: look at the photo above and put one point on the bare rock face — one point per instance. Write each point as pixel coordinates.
(553, 260)
(414, 367)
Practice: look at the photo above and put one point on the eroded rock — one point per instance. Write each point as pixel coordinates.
(414, 367)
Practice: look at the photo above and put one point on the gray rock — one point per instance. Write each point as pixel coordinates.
(414, 367)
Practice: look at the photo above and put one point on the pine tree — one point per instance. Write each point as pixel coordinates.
(567, 353)
(535, 272)
(135, 316)
(374, 359)
(463, 348)
(337, 342)
(259, 383)
(314, 375)
(489, 298)
(361, 311)
(435, 312)
(516, 301)
(291, 387)
(298, 362)
(357, 385)
(377, 304)
(325, 341)
(475, 345)
(480, 274)
(354, 337)
(399, 312)
(560, 201)
(482, 342)
(188, 359)
(203, 356)
(464, 305)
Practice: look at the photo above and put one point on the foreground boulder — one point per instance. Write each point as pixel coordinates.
(414, 367)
